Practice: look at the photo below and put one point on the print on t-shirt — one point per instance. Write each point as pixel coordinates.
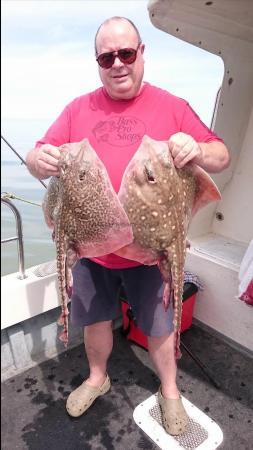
(120, 131)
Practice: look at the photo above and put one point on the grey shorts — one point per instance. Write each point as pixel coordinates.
(95, 296)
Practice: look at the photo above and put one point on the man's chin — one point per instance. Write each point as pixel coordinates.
(122, 92)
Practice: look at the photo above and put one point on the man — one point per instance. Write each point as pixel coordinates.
(114, 118)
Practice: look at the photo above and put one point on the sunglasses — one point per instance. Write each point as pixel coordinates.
(125, 55)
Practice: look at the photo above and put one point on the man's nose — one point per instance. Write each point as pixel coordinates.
(117, 62)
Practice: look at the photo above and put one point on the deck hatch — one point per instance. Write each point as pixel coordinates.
(202, 434)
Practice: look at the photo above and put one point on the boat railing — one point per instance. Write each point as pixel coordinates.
(19, 237)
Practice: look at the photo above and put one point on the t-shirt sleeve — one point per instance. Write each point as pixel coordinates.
(192, 124)
(59, 132)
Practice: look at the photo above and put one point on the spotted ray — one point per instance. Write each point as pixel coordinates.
(160, 201)
(85, 214)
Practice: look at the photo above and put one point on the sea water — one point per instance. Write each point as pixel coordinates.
(16, 180)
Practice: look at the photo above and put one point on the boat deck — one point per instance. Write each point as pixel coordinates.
(33, 403)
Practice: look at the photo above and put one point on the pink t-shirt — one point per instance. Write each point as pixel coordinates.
(115, 130)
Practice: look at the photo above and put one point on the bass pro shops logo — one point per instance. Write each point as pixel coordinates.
(120, 131)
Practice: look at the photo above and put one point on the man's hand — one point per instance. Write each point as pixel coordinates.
(43, 161)
(183, 149)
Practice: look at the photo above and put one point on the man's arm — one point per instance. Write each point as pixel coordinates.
(42, 162)
(212, 156)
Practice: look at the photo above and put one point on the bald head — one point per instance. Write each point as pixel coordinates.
(109, 22)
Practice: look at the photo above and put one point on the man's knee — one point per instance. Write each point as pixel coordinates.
(103, 325)
(161, 341)
(98, 335)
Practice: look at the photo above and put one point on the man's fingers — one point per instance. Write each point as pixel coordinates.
(43, 165)
(183, 149)
(177, 142)
(48, 159)
(49, 153)
(182, 161)
(182, 154)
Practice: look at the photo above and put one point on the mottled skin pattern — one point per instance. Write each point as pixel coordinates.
(84, 211)
(159, 201)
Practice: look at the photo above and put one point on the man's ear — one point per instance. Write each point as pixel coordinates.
(142, 48)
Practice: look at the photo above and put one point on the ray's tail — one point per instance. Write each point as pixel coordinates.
(62, 283)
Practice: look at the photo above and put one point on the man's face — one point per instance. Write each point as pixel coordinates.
(121, 81)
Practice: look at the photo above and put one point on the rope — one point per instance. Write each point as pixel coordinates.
(12, 196)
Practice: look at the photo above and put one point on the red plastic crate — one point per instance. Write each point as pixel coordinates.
(133, 333)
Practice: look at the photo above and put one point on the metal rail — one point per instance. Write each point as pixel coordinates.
(18, 238)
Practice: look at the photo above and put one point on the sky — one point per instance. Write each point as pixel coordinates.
(48, 57)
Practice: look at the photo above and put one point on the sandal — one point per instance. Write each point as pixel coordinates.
(82, 398)
(174, 417)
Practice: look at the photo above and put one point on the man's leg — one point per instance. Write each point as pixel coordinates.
(98, 341)
(162, 353)
(144, 288)
(93, 306)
